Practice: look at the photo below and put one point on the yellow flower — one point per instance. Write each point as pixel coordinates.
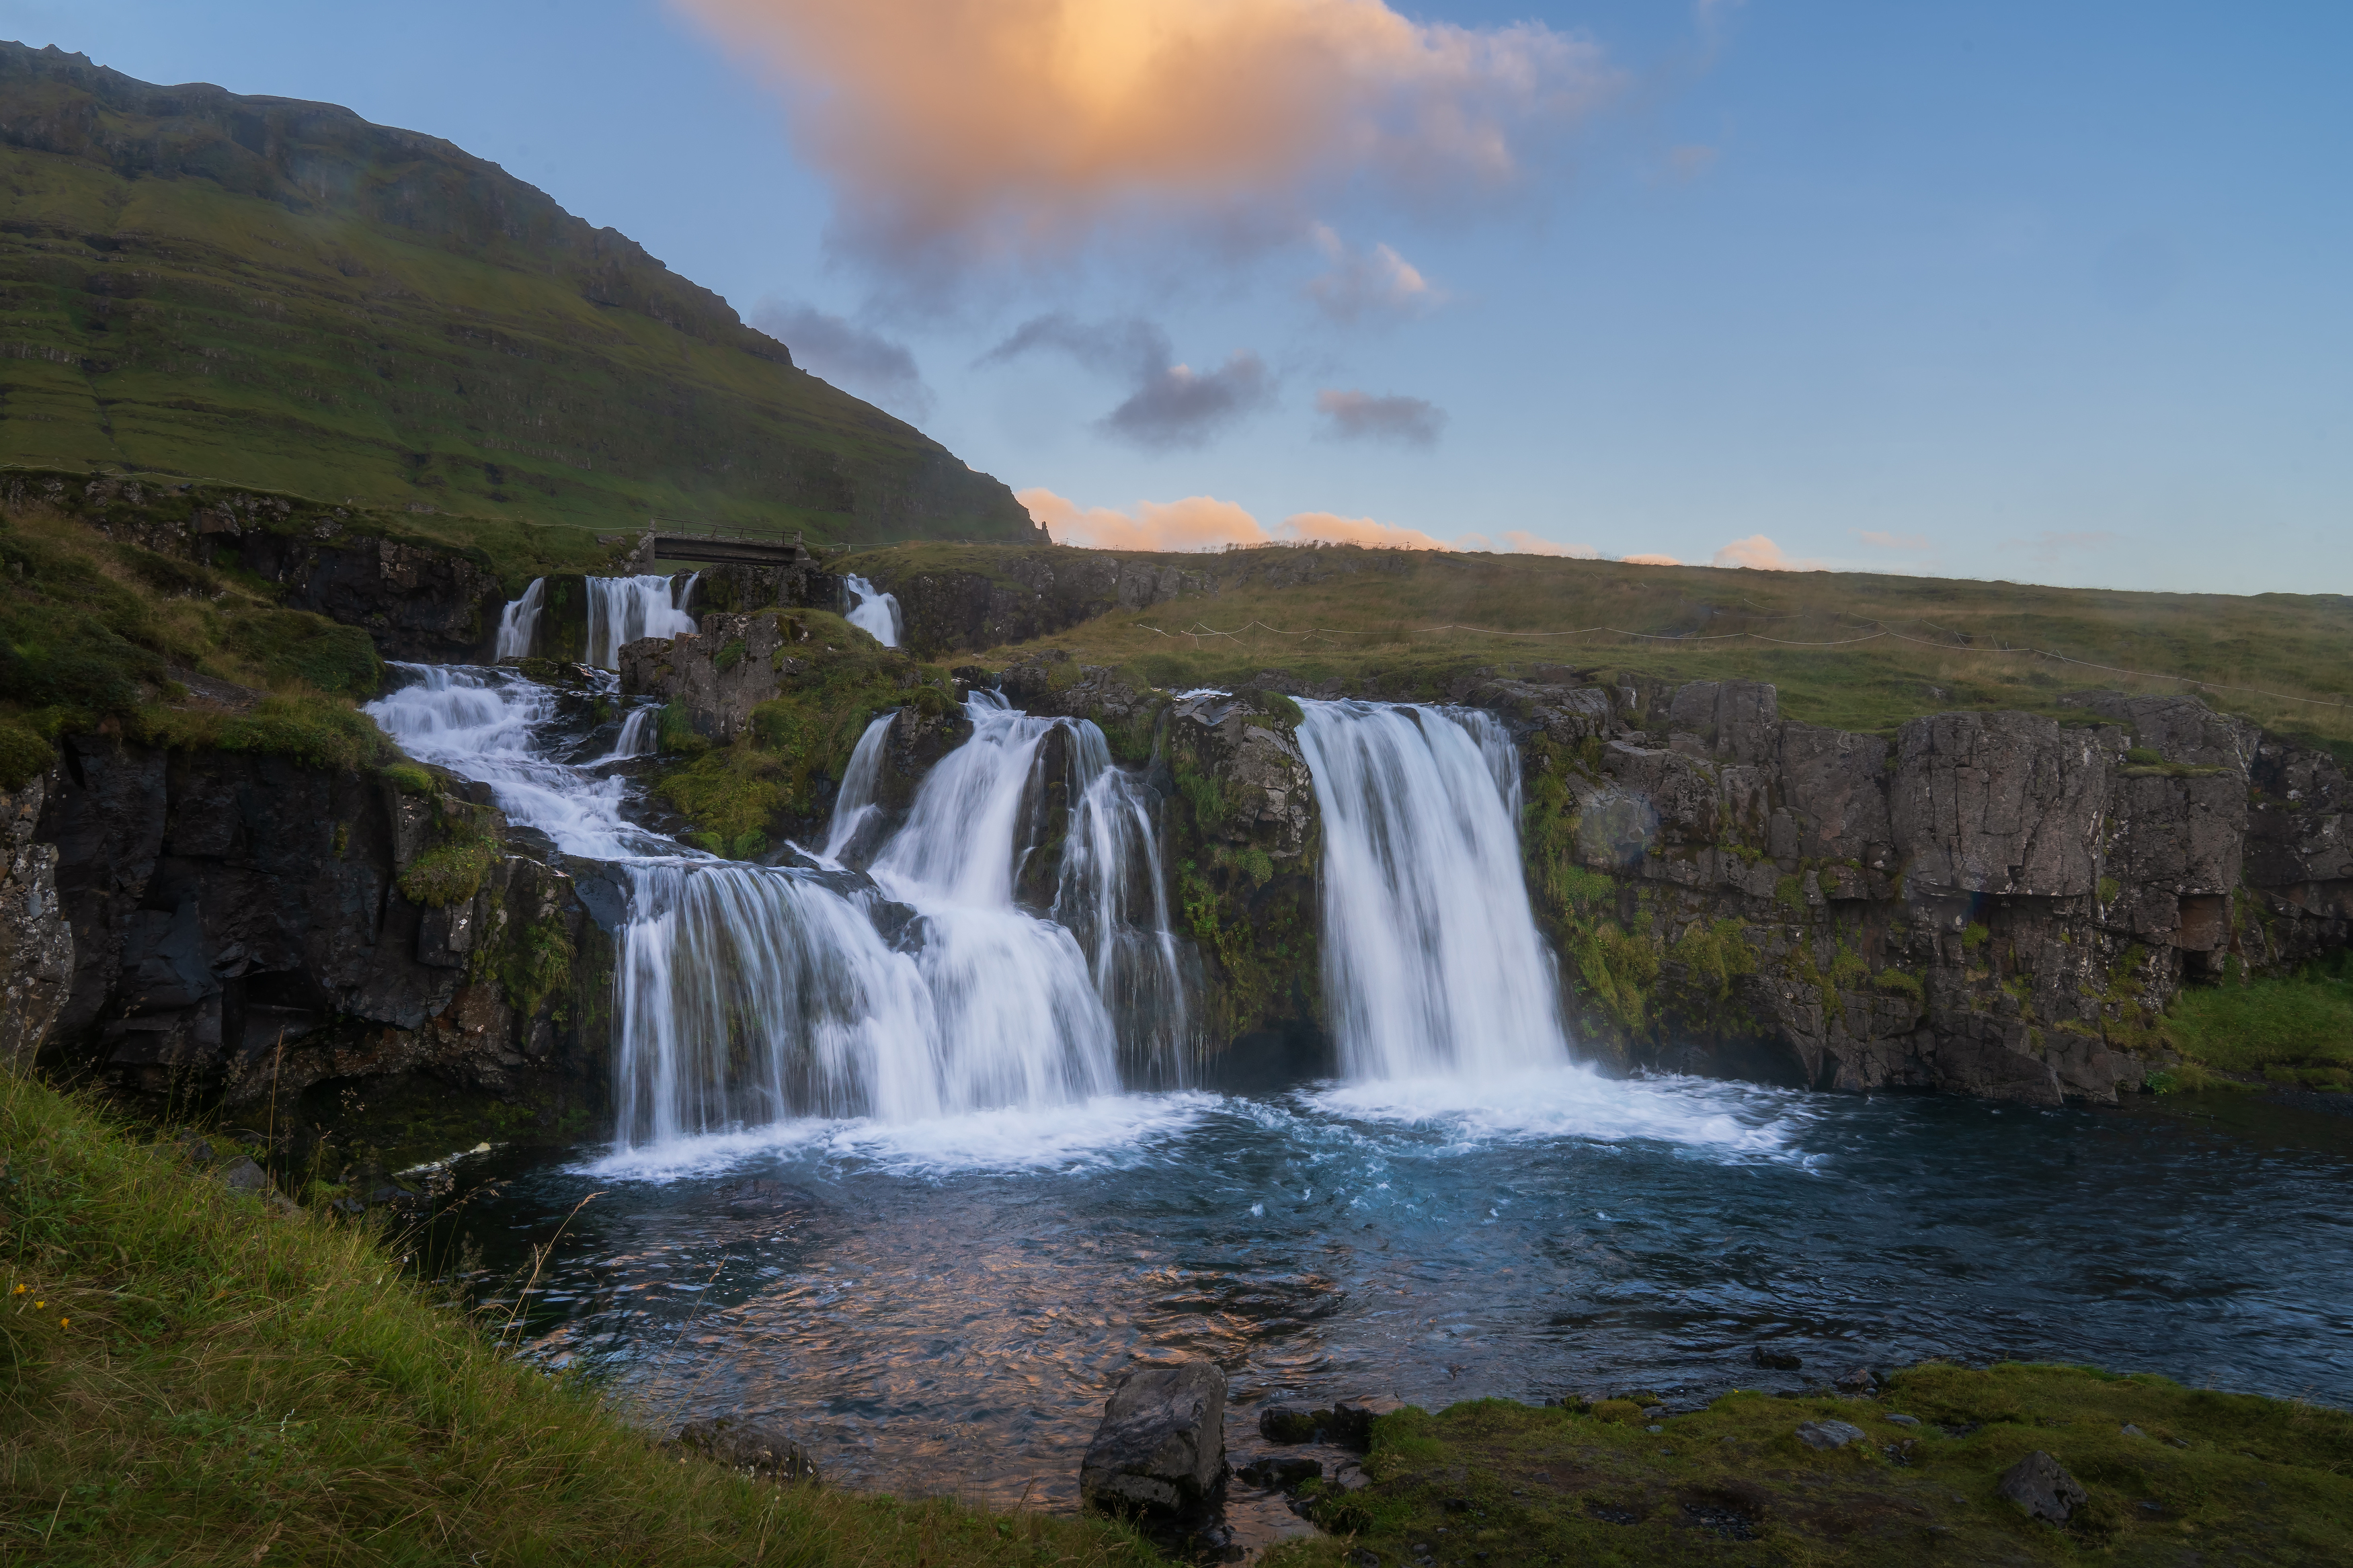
(65, 1323)
(38, 1305)
(17, 1291)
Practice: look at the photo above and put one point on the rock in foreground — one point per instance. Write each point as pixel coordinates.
(1162, 1444)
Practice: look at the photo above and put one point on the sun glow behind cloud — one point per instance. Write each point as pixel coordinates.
(956, 132)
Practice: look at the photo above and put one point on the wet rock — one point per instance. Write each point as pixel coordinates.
(1856, 1380)
(1901, 1420)
(1775, 1359)
(748, 1446)
(1281, 1470)
(2041, 1486)
(1352, 1419)
(1828, 1436)
(36, 944)
(1162, 1443)
(1292, 1422)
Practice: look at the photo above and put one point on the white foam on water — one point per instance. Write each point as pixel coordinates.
(1552, 1103)
(1102, 1130)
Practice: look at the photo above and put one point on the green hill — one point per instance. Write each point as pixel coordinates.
(268, 292)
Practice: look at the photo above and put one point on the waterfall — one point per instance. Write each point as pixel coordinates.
(623, 609)
(745, 994)
(518, 623)
(872, 612)
(1432, 963)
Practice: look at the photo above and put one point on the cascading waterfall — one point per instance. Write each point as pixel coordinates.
(748, 993)
(872, 612)
(1432, 963)
(518, 623)
(623, 609)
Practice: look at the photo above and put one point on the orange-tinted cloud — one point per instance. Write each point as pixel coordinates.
(963, 130)
(1650, 560)
(1759, 553)
(1196, 522)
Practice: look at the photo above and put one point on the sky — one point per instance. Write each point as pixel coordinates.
(2046, 293)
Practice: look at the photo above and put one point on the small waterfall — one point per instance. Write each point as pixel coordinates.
(1112, 895)
(1432, 963)
(855, 812)
(872, 612)
(518, 623)
(623, 609)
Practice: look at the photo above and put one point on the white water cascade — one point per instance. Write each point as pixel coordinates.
(747, 993)
(1432, 963)
(519, 622)
(623, 609)
(872, 612)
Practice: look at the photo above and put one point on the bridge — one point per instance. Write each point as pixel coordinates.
(723, 547)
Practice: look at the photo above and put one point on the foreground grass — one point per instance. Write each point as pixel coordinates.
(2245, 1479)
(1853, 650)
(189, 1377)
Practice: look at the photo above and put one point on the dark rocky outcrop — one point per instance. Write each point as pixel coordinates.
(2041, 1486)
(244, 927)
(749, 1446)
(1162, 1444)
(37, 950)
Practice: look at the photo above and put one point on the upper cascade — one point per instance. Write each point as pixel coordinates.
(873, 612)
(1432, 963)
(623, 609)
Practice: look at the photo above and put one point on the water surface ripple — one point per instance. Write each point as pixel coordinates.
(941, 1307)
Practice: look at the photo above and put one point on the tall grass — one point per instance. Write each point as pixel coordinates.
(189, 1377)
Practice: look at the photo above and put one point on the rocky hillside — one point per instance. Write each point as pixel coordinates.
(197, 285)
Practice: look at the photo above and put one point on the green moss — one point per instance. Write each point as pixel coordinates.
(1790, 892)
(1901, 982)
(2142, 756)
(316, 732)
(2165, 1468)
(22, 751)
(675, 731)
(1973, 936)
(409, 779)
(1616, 972)
(2109, 888)
(727, 794)
(448, 873)
(729, 656)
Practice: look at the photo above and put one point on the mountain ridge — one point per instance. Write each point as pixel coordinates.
(275, 292)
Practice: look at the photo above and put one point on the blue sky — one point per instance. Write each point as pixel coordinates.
(2054, 293)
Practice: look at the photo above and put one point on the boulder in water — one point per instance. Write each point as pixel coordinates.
(2041, 1486)
(1292, 1422)
(1352, 1419)
(1162, 1444)
(1774, 1360)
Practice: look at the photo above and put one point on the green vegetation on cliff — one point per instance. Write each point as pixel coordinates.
(2295, 1029)
(1850, 650)
(195, 1375)
(2170, 1475)
(277, 293)
(95, 632)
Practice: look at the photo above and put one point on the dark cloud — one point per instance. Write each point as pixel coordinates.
(863, 363)
(1361, 416)
(1169, 405)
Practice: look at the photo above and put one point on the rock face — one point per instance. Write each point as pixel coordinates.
(416, 600)
(1162, 1444)
(37, 950)
(748, 1446)
(239, 926)
(736, 663)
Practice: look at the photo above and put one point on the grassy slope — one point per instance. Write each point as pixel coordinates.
(93, 632)
(180, 325)
(188, 1377)
(2259, 1482)
(2286, 1029)
(1375, 624)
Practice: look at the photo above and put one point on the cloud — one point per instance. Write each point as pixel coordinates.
(1527, 543)
(1169, 406)
(1759, 553)
(1879, 541)
(964, 132)
(863, 363)
(1650, 560)
(1361, 416)
(2049, 547)
(1375, 283)
(1196, 522)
